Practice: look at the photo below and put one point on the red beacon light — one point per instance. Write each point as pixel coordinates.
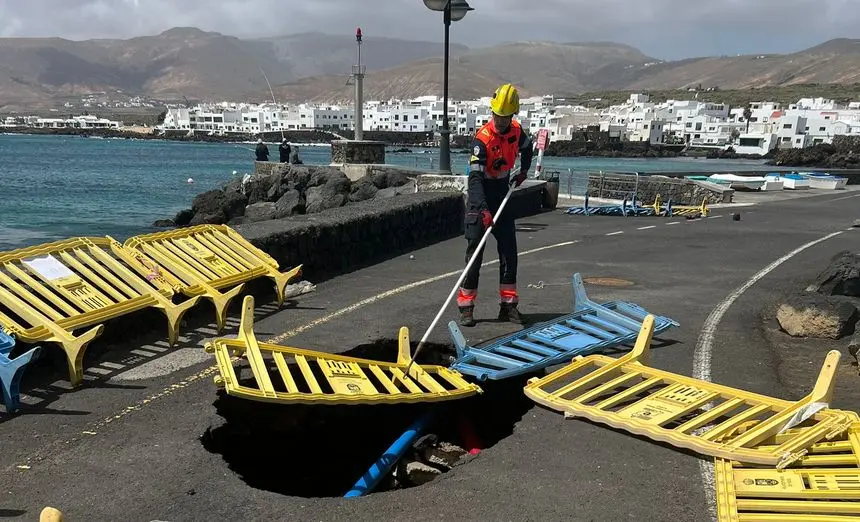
(358, 34)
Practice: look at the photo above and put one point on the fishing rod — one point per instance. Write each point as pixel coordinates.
(273, 96)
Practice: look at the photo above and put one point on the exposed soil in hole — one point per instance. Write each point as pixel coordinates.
(321, 451)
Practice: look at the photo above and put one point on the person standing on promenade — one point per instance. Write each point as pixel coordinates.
(262, 151)
(284, 151)
(494, 153)
(294, 156)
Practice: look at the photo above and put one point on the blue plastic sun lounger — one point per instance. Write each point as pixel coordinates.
(11, 370)
(590, 328)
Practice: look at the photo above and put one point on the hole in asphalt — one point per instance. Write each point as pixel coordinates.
(321, 451)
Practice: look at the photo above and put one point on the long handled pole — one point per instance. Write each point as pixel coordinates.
(273, 98)
(460, 279)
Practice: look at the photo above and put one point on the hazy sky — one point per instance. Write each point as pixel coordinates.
(661, 28)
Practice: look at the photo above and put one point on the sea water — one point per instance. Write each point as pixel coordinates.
(55, 187)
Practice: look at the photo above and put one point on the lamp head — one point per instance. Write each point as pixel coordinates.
(459, 9)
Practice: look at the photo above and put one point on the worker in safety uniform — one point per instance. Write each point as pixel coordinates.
(494, 152)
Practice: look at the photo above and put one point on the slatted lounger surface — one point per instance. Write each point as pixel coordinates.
(591, 327)
(628, 395)
(49, 291)
(205, 259)
(822, 486)
(323, 378)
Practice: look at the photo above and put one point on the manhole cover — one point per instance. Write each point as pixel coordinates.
(607, 281)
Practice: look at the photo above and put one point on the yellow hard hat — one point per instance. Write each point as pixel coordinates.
(506, 101)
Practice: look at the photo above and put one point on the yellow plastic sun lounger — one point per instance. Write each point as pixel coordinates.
(829, 491)
(205, 259)
(50, 290)
(296, 376)
(626, 394)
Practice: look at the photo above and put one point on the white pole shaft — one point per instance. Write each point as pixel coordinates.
(460, 279)
(538, 163)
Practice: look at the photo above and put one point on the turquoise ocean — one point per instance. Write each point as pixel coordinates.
(55, 187)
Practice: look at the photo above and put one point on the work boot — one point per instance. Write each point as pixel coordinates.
(466, 316)
(509, 312)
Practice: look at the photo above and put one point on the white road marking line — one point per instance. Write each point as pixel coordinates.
(704, 347)
(646, 228)
(715, 217)
(673, 223)
(112, 366)
(370, 300)
(844, 197)
(615, 233)
(166, 364)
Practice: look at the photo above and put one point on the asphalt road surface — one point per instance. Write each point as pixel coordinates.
(129, 445)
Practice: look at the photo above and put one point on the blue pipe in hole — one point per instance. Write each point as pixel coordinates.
(395, 452)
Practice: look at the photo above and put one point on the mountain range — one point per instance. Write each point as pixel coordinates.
(188, 63)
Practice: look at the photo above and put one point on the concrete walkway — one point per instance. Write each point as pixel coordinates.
(128, 445)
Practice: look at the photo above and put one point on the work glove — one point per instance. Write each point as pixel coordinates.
(486, 218)
(519, 178)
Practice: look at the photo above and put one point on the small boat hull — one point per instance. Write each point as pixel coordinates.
(792, 181)
(739, 182)
(826, 181)
(773, 185)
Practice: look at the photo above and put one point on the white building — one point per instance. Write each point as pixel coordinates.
(650, 130)
(756, 143)
(807, 122)
(75, 122)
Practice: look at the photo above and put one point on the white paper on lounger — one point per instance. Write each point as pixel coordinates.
(48, 267)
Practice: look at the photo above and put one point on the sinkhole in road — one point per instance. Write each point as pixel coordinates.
(321, 451)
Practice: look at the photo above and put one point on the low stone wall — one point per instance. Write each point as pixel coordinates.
(528, 199)
(264, 168)
(357, 171)
(343, 238)
(680, 191)
(441, 183)
(344, 152)
(340, 239)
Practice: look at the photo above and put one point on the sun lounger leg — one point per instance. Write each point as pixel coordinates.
(281, 281)
(174, 314)
(11, 372)
(221, 301)
(75, 348)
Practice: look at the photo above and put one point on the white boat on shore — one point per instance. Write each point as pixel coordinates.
(738, 182)
(822, 180)
(773, 184)
(790, 181)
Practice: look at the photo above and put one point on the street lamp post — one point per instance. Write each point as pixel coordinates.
(453, 11)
